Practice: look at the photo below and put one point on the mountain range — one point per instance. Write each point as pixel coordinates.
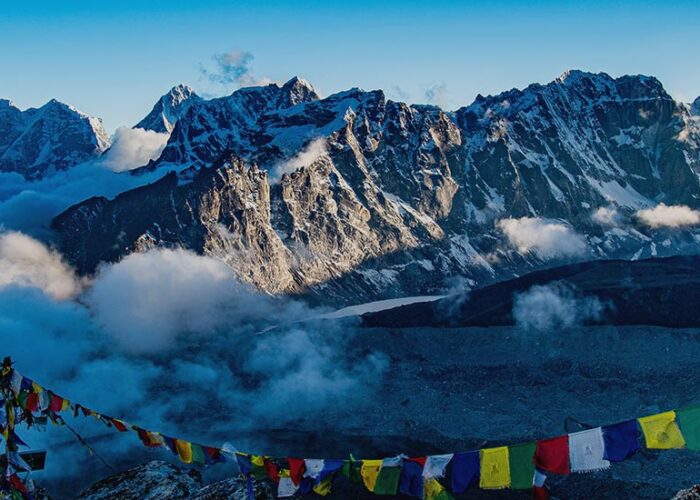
(355, 196)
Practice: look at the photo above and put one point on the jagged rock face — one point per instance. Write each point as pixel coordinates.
(37, 142)
(355, 196)
(210, 128)
(169, 109)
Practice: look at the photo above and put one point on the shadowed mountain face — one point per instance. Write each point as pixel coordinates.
(659, 292)
(355, 197)
(41, 141)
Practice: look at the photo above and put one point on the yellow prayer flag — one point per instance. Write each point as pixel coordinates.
(184, 451)
(369, 472)
(324, 487)
(65, 405)
(36, 388)
(661, 431)
(258, 460)
(495, 468)
(432, 489)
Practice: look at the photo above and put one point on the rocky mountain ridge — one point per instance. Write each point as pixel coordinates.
(40, 141)
(355, 196)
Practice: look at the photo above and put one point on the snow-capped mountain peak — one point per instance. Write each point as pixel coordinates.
(54, 137)
(169, 109)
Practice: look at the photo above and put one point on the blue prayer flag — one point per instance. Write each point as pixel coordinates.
(621, 440)
(464, 471)
(411, 480)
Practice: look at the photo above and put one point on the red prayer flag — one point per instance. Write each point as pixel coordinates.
(272, 472)
(552, 455)
(32, 401)
(56, 403)
(119, 425)
(296, 469)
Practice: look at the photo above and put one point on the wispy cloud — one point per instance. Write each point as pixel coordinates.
(673, 216)
(133, 148)
(437, 94)
(315, 150)
(549, 239)
(557, 305)
(233, 69)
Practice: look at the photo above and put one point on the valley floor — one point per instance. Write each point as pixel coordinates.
(459, 389)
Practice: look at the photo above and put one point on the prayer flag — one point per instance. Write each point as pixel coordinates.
(184, 450)
(522, 466)
(198, 454)
(258, 466)
(296, 469)
(244, 463)
(389, 475)
(369, 472)
(621, 441)
(119, 425)
(586, 451)
(552, 455)
(464, 471)
(435, 465)
(330, 467)
(494, 468)
(171, 443)
(689, 418)
(56, 403)
(435, 491)
(313, 467)
(286, 487)
(213, 455)
(351, 470)
(32, 403)
(411, 481)
(661, 431)
(271, 469)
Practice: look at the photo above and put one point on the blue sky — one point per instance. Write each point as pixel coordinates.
(113, 59)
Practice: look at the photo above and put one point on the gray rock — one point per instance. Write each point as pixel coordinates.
(355, 197)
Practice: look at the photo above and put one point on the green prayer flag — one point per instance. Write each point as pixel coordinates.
(522, 465)
(689, 420)
(387, 481)
(351, 470)
(198, 454)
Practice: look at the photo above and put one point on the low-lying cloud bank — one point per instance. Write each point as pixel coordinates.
(170, 340)
(548, 239)
(672, 216)
(558, 305)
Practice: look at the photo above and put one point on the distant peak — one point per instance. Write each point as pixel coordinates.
(573, 76)
(182, 91)
(299, 90)
(695, 107)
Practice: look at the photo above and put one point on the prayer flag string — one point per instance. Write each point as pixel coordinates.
(517, 466)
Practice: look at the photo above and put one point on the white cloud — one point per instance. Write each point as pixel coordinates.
(148, 299)
(315, 150)
(234, 68)
(133, 148)
(437, 94)
(554, 306)
(27, 262)
(607, 216)
(669, 216)
(547, 238)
